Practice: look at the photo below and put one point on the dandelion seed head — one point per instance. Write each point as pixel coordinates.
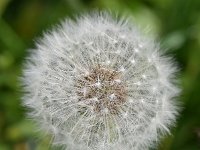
(99, 83)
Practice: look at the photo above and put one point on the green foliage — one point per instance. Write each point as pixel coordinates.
(175, 22)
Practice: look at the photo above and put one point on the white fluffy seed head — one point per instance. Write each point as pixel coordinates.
(98, 83)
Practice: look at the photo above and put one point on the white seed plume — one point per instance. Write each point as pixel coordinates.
(99, 84)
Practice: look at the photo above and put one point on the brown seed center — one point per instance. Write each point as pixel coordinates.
(102, 90)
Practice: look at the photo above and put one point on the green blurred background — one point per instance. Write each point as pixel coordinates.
(175, 22)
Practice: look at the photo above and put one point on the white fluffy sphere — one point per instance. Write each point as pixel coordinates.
(99, 84)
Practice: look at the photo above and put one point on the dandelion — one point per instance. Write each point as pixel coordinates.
(100, 84)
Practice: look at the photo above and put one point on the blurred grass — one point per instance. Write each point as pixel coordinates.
(175, 22)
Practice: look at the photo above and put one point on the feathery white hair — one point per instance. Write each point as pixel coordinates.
(100, 84)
